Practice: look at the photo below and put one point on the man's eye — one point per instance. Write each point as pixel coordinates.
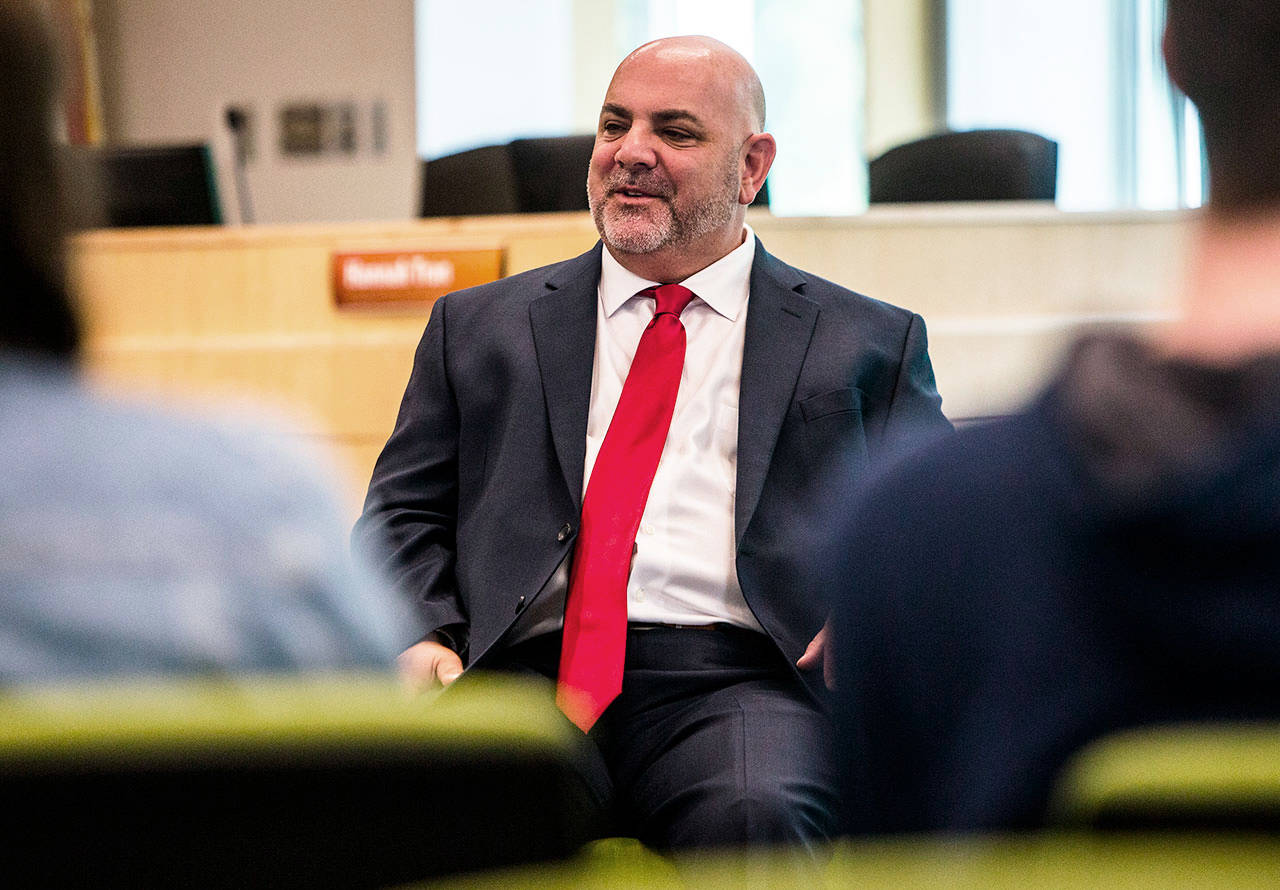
(610, 128)
(678, 135)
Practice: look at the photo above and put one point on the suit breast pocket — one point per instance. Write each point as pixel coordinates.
(833, 425)
(837, 401)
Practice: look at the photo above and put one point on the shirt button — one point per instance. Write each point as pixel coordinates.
(639, 594)
(647, 528)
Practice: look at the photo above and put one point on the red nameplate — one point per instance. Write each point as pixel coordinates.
(395, 276)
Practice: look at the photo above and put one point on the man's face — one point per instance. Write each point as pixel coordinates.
(666, 171)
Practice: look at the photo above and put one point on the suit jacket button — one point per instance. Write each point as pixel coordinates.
(519, 604)
(565, 531)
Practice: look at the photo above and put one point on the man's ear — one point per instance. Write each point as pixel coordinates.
(757, 157)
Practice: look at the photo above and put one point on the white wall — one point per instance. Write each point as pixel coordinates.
(169, 69)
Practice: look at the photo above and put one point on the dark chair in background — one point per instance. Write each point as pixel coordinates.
(470, 183)
(974, 165)
(147, 185)
(551, 173)
(538, 175)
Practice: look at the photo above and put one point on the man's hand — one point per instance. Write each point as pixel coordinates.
(818, 654)
(428, 665)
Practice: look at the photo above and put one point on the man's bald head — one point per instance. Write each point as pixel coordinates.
(739, 77)
(679, 154)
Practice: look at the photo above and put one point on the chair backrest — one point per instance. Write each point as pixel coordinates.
(973, 165)
(536, 175)
(1062, 860)
(149, 185)
(1192, 775)
(475, 182)
(330, 781)
(551, 172)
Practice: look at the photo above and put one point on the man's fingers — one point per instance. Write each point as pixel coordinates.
(812, 654)
(448, 667)
(428, 665)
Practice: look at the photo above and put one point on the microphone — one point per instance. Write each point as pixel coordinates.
(238, 122)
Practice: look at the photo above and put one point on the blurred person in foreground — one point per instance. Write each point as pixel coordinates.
(132, 541)
(1110, 556)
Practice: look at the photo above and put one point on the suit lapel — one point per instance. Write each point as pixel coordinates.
(564, 337)
(780, 324)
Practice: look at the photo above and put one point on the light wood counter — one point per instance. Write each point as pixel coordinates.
(249, 311)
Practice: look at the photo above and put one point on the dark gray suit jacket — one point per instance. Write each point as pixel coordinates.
(478, 491)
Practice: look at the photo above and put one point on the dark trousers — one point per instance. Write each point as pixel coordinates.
(714, 740)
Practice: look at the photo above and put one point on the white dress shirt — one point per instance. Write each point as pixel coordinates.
(684, 570)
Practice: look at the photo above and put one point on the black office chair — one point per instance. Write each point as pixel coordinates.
(470, 183)
(551, 172)
(537, 175)
(144, 185)
(973, 165)
(524, 176)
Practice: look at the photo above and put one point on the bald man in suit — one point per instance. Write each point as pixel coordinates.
(791, 386)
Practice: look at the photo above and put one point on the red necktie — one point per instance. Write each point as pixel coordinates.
(595, 615)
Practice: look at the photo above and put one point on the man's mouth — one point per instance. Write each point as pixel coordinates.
(633, 193)
(632, 190)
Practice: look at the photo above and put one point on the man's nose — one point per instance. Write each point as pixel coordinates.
(636, 149)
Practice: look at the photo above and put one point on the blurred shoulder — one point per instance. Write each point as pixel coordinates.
(960, 478)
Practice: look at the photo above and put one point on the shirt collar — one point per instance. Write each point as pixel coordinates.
(723, 285)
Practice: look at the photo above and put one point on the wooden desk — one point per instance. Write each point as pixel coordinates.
(248, 311)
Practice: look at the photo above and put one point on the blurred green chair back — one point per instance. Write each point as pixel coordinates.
(1194, 775)
(313, 781)
(1049, 860)
(1189, 806)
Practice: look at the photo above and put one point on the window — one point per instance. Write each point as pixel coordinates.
(1088, 74)
(492, 70)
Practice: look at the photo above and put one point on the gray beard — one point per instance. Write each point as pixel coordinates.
(614, 223)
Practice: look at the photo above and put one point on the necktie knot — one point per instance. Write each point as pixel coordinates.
(671, 298)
